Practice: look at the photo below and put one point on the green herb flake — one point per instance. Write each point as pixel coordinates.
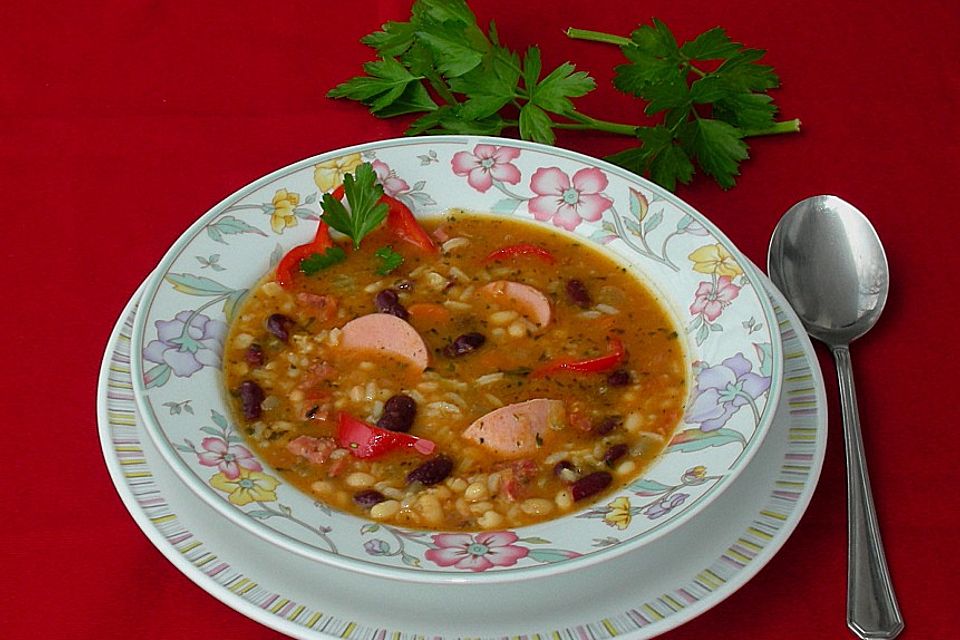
(390, 260)
(316, 262)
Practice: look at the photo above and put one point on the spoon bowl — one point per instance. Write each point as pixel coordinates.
(827, 259)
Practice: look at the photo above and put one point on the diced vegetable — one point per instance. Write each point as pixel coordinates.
(521, 249)
(404, 225)
(590, 365)
(366, 441)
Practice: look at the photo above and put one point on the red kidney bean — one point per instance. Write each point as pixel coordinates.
(619, 378)
(577, 294)
(432, 471)
(398, 413)
(614, 453)
(464, 344)
(254, 355)
(368, 498)
(607, 425)
(590, 484)
(388, 301)
(251, 395)
(279, 325)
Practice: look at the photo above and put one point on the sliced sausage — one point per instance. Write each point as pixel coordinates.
(526, 299)
(316, 450)
(387, 334)
(518, 429)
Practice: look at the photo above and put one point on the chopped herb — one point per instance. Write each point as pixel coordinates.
(390, 260)
(366, 211)
(316, 262)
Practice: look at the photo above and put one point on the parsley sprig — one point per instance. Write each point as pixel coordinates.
(366, 212)
(703, 97)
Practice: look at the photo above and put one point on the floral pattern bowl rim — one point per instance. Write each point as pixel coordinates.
(713, 291)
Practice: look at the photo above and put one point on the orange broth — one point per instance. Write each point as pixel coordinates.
(608, 424)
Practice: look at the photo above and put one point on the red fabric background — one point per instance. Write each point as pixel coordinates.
(121, 122)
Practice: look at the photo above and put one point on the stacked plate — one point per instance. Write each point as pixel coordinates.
(718, 503)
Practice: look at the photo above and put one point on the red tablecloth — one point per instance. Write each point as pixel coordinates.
(121, 122)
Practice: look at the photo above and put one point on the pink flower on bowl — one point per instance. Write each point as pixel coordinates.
(711, 298)
(476, 553)
(229, 459)
(565, 201)
(392, 184)
(486, 164)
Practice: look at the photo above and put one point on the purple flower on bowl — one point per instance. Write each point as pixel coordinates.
(722, 389)
(376, 547)
(666, 505)
(476, 553)
(187, 343)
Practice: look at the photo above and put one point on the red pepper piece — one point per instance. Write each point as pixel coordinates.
(366, 441)
(522, 249)
(290, 263)
(404, 225)
(591, 365)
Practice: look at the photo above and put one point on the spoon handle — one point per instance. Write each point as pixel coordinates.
(872, 610)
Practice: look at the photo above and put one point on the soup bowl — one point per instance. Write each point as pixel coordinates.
(723, 317)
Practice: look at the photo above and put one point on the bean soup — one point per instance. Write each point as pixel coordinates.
(510, 375)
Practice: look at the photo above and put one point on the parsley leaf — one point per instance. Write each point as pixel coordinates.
(366, 211)
(702, 97)
(390, 260)
(705, 114)
(316, 262)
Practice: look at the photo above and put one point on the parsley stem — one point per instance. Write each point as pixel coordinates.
(441, 88)
(586, 122)
(782, 126)
(597, 36)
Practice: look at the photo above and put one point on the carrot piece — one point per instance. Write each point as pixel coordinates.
(429, 311)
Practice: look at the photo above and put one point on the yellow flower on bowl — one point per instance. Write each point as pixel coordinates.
(329, 175)
(715, 259)
(249, 486)
(284, 202)
(619, 514)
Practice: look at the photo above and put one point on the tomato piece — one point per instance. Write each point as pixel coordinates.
(289, 264)
(590, 365)
(521, 249)
(367, 441)
(402, 223)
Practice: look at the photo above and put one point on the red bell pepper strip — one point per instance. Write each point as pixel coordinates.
(290, 263)
(522, 249)
(366, 441)
(591, 365)
(401, 222)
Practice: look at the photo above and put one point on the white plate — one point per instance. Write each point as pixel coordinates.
(645, 593)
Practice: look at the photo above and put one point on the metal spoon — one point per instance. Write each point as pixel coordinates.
(827, 260)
